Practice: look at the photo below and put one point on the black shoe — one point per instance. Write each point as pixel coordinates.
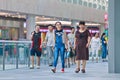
(53, 70)
(50, 65)
(106, 60)
(103, 60)
(77, 70)
(83, 70)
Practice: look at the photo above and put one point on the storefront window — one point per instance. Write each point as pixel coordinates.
(74, 1)
(103, 7)
(85, 3)
(90, 5)
(94, 6)
(69, 1)
(8, 33)
(14, 33)
(99, 1)
(80, 2)
(4, 33)
(63, 0)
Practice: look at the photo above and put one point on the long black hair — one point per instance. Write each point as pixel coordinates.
(102, 35)
(59, 23)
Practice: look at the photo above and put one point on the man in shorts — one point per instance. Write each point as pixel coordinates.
(36, 46)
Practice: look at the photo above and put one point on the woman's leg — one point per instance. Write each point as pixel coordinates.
(93, 52)
(83, 64)
(96, 55)
(62, 53)
(56, 54)
(103, 53)
(77, 66)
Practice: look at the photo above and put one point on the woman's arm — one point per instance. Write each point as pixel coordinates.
(89, 39)
(75, 43)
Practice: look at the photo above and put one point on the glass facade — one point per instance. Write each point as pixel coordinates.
(97, 4)
(85, 3)
(69, 1)
(75, 1)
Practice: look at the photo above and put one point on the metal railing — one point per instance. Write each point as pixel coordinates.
(14, 54)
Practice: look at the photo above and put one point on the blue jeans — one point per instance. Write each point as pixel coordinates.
(104, 52)
(50, 54)
(60, 49)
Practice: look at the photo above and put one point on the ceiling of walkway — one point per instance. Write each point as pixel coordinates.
(43, 20)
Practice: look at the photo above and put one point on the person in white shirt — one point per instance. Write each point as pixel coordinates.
(71, 37)
(50, 42)
(95, 46)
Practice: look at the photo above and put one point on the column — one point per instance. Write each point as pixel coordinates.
(114, 36)
(30, 23)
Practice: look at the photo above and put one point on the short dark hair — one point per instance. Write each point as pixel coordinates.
(58, 22)
(72, 28)
(102, 35)
(37, 25)
(82, 23)
(50, 25)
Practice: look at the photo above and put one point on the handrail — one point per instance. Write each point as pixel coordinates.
(17, 44)
(9, 41)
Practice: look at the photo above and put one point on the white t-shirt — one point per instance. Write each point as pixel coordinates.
(50, 38)
(95, 42)
(71, 38)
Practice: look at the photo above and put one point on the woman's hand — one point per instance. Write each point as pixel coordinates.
(87, 45)
(74, 47)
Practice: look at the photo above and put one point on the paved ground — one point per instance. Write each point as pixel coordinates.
(94, 71)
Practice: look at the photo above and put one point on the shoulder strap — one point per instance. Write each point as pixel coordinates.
(40, 34)
(55, 36)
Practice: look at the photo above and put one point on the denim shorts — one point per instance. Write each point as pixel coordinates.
(35, 52)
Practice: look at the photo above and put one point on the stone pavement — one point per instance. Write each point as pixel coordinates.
(94, 71)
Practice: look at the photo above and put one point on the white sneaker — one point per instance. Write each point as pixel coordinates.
(38, 67)
(31, 67)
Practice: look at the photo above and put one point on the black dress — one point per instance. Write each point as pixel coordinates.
(82, 52)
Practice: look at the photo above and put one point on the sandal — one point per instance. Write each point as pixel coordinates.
(77, 70)
(83, 70)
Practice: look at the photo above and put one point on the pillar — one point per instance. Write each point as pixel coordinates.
(114, 36)
(30, 23)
